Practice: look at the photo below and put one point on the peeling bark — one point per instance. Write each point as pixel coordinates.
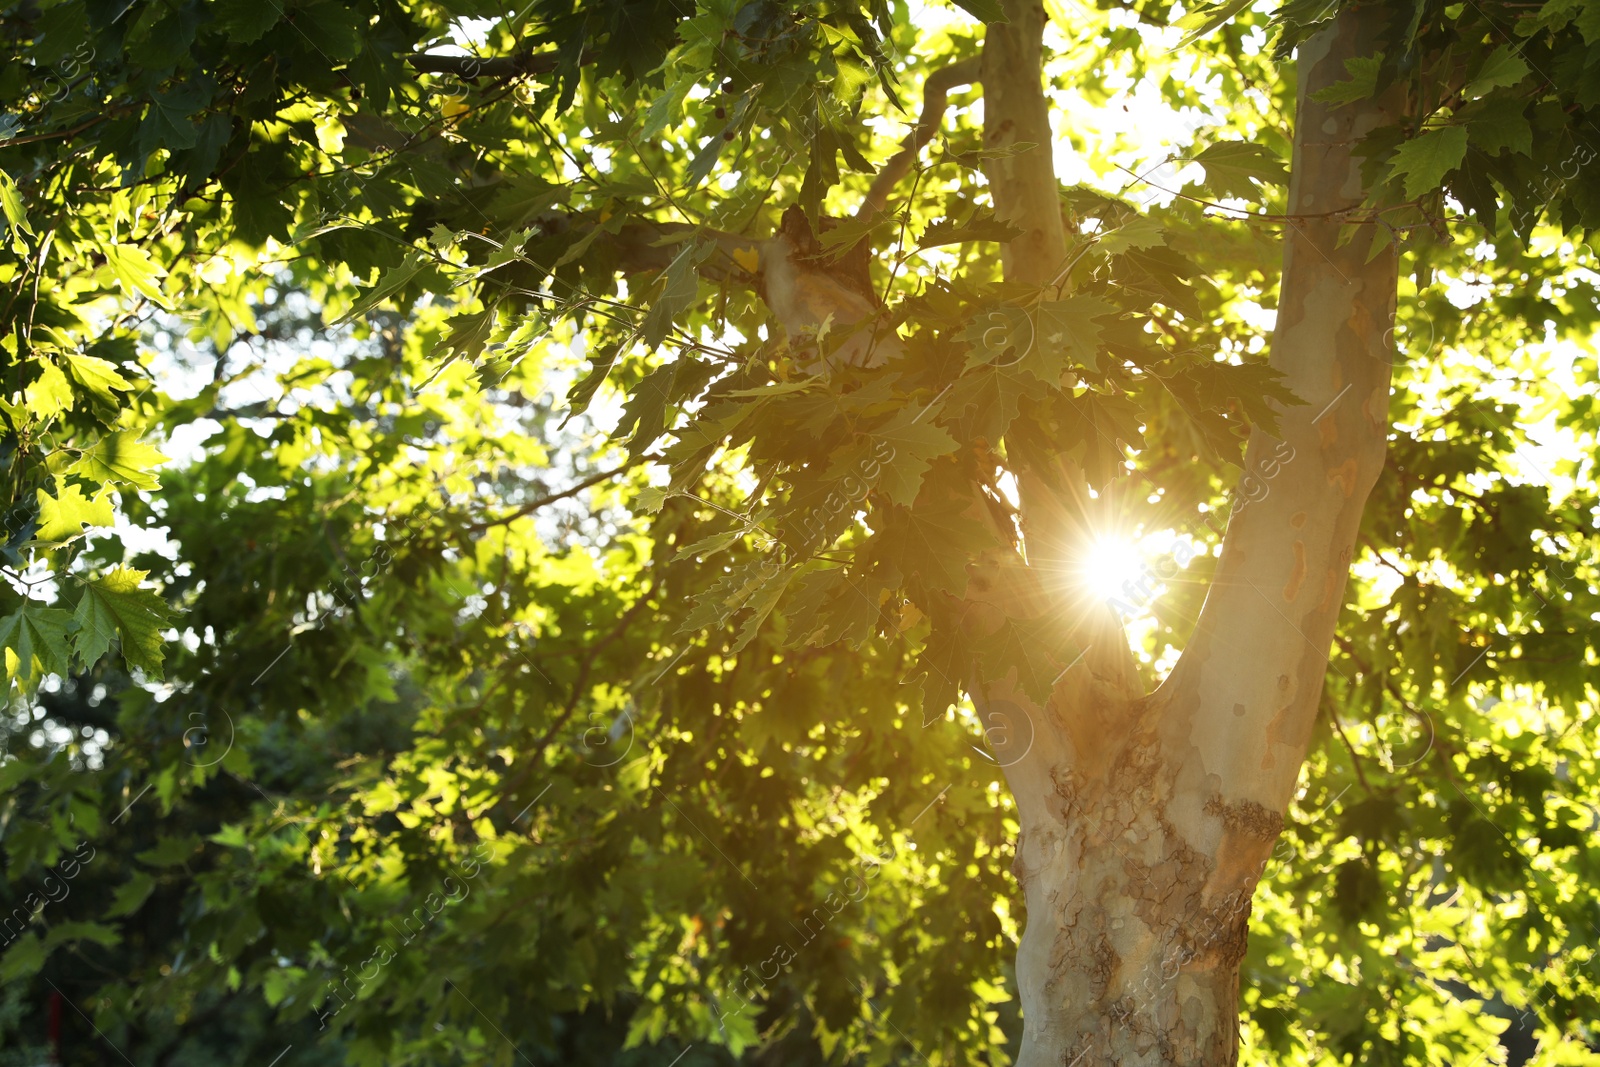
(1147, 820)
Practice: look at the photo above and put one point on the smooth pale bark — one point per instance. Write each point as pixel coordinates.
(1147, 820)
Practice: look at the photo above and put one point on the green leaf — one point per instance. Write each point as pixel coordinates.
(1502, 69)
(581, 395)
(983, 10)
(11, 204)
(23, 959)
(1206, 20)
(1362, 85)
(35, 639)
(983, 228)
(1138, 232)
(166, 123)
(97, 375)
(720, 601)
(73, 930)
(114, 605)
(650, 499)
(120, 457)
(936, 544)
(171, 851)
(985, 402)
(137, 273)
(49, 394)
(905, 448)
(1499, 123)
(389, 283)
(62, 517)
(245, 21)
(645, 414)
(1069, 338)
(665, 109)
(679, 290)
(998, 337)
(335, 28)
(761, 603)
(1424, 161)
(131, 895)
(1233, 168)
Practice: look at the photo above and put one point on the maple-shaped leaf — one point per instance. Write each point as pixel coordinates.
(114, 605)
(936, 543)
(1497, 124)
(120, 457)
(23, 959)
(761, 602)
(62, 517)
(985, 402)
(1137, 232)
(803, 612)
(1234, 167)
(389, 283)
(1362, 84)
(1503, 68)
(998, 337)
(905, 447)
(645, 413)
(11, 205)
(679, 290)
(49, 394)
(983, 228)
(35, 639)
(1036, 649)
(717, 604)
(97, 375)
(854, 611)
(1068, 338)
(940, 667)
(1203, 20)
(1424, 161)
(137, 273)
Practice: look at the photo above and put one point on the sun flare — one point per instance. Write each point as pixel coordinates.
(1110, 566)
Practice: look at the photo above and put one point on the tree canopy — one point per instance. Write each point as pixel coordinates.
(475, 593)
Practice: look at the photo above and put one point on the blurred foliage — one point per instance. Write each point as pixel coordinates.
(349, 735)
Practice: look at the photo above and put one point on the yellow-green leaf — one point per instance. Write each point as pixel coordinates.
(62, 517)
(1503, 68)
(115, 606)
(11, 204)
(35, 639)
(1424, 161)
(50, 394)
(137, 273)
(97, 375)
(120, 457)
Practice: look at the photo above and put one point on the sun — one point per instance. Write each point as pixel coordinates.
(1110, 566)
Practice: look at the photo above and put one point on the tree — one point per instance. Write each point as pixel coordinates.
(867, 422)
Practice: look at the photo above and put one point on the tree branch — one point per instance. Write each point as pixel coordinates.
(934, 93)
(1246, 691)
(1017, 133)
(545, 501)
(469, 67)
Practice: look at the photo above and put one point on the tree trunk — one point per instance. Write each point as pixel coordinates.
(1147, 820)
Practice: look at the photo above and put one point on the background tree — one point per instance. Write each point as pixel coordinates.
(455, 759)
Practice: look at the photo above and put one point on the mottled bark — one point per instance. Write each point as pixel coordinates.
(1147, 820)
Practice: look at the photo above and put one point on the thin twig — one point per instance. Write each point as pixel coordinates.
(544, 501)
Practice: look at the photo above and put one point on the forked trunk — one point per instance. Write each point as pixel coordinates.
(1147, 820)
